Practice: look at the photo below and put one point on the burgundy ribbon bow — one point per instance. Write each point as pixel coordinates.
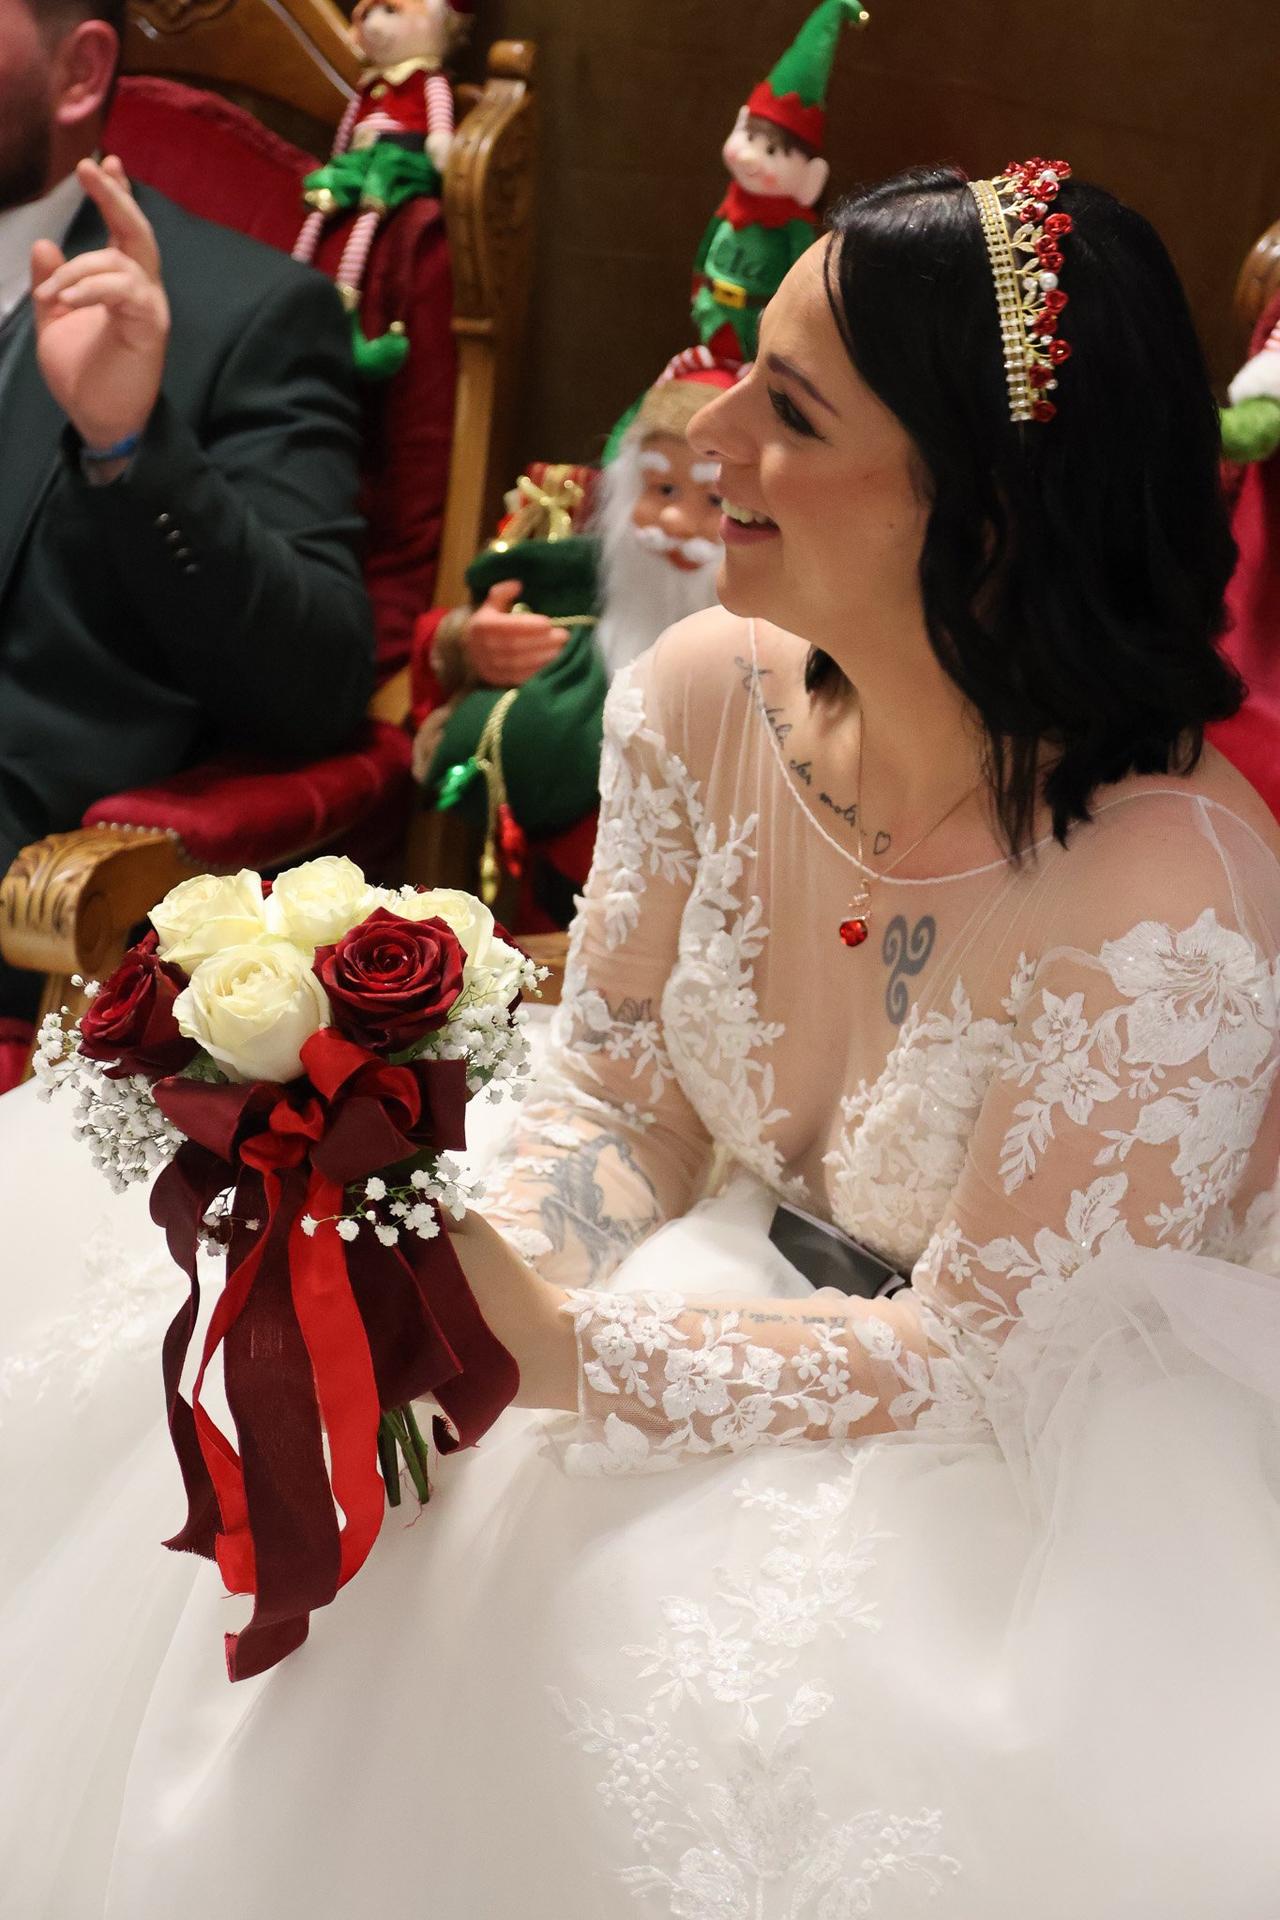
(319, 1335)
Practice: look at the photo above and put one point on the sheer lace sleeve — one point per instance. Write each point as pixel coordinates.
(612, 1147)
(1134, 1103)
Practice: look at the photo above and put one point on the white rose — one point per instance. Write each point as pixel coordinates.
(253, 1008)
(200, 917)
(492, 966)
(316, 903)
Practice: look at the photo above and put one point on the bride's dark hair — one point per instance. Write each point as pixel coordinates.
(1073, 571)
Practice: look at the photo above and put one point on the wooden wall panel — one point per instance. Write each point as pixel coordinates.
(1171, 103)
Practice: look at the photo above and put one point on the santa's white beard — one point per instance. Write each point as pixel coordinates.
(642, 593)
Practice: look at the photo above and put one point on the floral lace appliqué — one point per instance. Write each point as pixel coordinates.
(717, 1036)
(709, 1765)
(905, 1137)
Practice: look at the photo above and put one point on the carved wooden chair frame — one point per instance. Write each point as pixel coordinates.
(70, 901)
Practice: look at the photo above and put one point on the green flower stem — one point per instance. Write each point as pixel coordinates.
(412, 1456)
(420, 1448)
(389, 1458)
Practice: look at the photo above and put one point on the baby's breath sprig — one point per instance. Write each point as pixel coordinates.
(128, 1137)
(411, 1206)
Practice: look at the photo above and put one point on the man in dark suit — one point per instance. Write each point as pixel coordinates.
(179, 565)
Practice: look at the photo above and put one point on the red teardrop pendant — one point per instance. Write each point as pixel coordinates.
(853, 931)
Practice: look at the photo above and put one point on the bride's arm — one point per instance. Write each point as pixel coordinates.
(610, 1147)
(1136, 1105)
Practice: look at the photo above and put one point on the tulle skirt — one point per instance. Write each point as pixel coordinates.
(1034, 1674)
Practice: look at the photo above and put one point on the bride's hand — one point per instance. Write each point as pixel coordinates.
(523, 1311)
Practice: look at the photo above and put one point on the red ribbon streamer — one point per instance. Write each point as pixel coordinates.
(318, 1335)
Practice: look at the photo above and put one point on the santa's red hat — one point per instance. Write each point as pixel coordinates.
(682, 389)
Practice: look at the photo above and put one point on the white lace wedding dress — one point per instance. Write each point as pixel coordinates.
(964, 1602)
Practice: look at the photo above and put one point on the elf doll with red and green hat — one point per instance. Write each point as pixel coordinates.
(392, 145)
(774, 155)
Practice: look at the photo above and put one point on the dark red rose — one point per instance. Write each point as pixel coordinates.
(390, 981)
(130, 1019)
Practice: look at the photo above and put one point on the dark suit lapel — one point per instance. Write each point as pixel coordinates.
(30, 420)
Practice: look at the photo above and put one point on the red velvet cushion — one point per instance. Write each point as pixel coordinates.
(1252, 739)
(241, 813)
(217, 161)
(16, 1037)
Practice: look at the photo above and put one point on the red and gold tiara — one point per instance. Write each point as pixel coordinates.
(1022, 233)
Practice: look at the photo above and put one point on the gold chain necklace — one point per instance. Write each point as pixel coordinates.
(856, 924)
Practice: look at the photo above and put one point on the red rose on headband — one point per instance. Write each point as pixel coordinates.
(129, 1022)
(390, 981)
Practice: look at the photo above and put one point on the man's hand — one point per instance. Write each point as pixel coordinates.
(102, 319)
(505, 649)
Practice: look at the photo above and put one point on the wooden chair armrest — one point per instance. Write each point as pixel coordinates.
(550, 950)
(391, 702)
(1259, 281)
(69, 902)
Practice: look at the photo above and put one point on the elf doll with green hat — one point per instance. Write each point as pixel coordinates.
(774, 156)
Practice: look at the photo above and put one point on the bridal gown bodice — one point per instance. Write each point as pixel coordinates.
(1020, 1069)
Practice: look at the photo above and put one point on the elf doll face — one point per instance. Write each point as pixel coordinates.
(677, 516)
(765, 160)
(385, 32)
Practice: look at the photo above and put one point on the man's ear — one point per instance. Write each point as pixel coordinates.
(813, 182)
(84, 67)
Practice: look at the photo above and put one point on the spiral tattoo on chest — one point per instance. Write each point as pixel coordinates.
(905, 951)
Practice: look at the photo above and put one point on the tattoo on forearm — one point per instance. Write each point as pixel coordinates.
(905, 954)
(803, 770)
(793, 1319)
(575, 1205)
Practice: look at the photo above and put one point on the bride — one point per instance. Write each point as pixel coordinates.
(941, 927)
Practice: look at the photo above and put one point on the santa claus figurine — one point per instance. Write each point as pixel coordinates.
(774, 156)
(563, 599)
(392, 145)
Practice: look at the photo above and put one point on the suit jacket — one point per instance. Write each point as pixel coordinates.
(211, 599)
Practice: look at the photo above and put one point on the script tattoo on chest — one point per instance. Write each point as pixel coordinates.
(802, 769)
(751, 678)
(905, 952)
(848, 814)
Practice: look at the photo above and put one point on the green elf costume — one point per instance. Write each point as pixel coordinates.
(766, 220)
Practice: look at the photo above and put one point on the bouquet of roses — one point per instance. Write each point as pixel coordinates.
(290, 1063)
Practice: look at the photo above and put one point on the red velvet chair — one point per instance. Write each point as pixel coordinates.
(436, 441)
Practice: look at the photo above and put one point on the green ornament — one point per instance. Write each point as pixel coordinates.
(455, 782)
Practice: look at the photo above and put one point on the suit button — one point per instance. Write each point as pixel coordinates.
(174, 536)
(191, 567)
(162, 519)
(183, 553)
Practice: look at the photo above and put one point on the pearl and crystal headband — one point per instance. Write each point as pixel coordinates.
(1022, 236)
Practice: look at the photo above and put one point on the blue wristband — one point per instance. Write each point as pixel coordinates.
(120, 451)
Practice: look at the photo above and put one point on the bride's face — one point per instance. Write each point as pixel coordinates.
(823, 490)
